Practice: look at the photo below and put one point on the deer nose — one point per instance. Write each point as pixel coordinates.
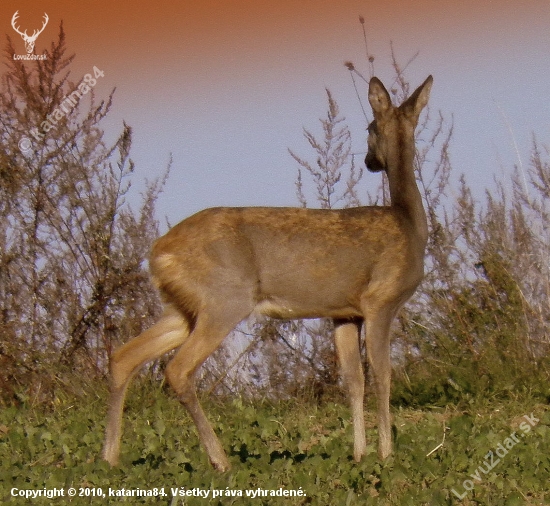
(373, 163)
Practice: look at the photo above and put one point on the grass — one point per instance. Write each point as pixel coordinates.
(285, 448)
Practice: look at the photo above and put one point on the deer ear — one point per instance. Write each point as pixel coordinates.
(418, 100)
(379, 98)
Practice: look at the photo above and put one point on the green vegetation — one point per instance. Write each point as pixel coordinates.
(286, 445)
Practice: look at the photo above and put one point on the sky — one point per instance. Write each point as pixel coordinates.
(226, 87)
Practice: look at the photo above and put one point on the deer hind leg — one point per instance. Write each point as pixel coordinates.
(168, 333)
(347, 351)
(211, 328)
(377, 335)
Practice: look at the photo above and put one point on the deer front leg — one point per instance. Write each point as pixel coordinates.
(347, 351)
(377, 334)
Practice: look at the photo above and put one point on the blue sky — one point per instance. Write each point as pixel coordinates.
(227, 86)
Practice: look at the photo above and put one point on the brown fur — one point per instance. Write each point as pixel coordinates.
(354, 265)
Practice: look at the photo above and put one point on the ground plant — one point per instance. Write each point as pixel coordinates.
(441, 453)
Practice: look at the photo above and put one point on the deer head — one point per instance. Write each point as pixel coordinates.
(29, 39)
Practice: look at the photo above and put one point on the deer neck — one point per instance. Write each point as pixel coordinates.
(404, 192)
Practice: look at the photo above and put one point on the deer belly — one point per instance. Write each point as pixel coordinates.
(307, 307)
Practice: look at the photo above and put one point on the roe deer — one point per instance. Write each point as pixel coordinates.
(352, 265)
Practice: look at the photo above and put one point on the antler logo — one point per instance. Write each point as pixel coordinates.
(29, 39)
